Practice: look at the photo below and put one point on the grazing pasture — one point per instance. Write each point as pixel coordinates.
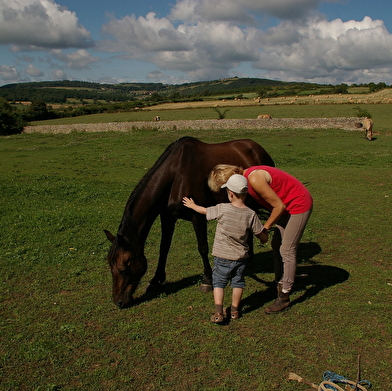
(61, 331)
(175, 112)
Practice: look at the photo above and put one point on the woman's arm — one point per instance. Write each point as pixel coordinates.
(189, 203)
(258, 181)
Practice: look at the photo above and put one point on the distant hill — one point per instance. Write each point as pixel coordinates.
(63, 91)
(58, 92)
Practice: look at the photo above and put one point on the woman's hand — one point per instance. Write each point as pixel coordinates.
(263, 236)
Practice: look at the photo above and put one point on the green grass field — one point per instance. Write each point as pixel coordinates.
(61, 331)
(380, 114)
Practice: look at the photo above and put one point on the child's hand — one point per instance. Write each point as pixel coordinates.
(188, 202)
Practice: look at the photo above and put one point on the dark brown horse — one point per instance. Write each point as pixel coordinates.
(182, 170)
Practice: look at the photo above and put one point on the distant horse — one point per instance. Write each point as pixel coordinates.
(368, 126)
(264, 116)
(182, 170)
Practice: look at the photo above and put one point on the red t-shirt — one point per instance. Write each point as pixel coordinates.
(290, 190)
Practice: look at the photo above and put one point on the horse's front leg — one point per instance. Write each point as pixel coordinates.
(167, 228)
(200, 226)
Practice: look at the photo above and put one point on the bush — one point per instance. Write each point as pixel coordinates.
(362, 112)
(11, 122)
(221, 115)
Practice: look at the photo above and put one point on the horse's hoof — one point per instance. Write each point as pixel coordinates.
(205, 288)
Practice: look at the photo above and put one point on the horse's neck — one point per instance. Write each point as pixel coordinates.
(142, 209)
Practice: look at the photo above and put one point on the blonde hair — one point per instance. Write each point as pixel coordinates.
(220, 174)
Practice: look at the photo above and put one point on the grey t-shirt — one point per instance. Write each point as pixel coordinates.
(233, 227)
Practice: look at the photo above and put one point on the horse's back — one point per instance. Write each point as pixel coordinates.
(243, 152)
(195, 160)
(368, 124)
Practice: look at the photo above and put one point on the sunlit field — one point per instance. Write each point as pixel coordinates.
(61, 331)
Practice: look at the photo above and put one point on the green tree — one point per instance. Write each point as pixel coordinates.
(37, 110)
(11, 121)
(376, 87)
(341, 89)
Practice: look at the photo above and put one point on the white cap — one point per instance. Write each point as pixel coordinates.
(237, 183)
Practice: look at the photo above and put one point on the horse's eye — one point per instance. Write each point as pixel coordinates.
(122, 272)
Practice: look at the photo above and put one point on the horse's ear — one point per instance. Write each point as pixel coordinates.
(109, 235)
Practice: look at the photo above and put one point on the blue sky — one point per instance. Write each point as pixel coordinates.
(179, 41)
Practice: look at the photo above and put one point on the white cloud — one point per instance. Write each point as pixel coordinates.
(283, 9)
(205, 49)
(145, 34)
(9, 73)
(203, 39)
(112, 80)
(206, 39)
(33, 71)
(241, 11)
(320, 49)
(34, 24)
(185, 10)
(216, 48)
(24, 57)
(80, 59)
(194, 10)
(59, 74)
(155, 75)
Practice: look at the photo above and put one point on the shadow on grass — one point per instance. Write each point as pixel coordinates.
(311, 278)
(168, 288)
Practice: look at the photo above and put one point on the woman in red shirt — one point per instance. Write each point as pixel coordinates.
(290, 204)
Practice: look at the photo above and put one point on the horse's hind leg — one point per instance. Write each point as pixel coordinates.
(200, 227)
(167, 228)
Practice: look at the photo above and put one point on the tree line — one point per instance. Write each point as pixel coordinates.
(107, 98)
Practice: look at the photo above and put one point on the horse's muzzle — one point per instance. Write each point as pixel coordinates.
(124, 303)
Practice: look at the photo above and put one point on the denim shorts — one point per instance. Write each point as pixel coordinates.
(225, 270)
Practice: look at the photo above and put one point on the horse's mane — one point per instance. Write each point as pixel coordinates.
(169, 150)
(127, 220)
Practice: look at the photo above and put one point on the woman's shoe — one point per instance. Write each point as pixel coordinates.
(281, 303)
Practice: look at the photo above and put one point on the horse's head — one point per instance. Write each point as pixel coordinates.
(128, 265)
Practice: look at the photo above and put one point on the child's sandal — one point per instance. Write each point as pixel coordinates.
(217, 318)
(232, 314)
(235, 315)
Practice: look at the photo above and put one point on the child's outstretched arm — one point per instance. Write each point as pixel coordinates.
(189, 203)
